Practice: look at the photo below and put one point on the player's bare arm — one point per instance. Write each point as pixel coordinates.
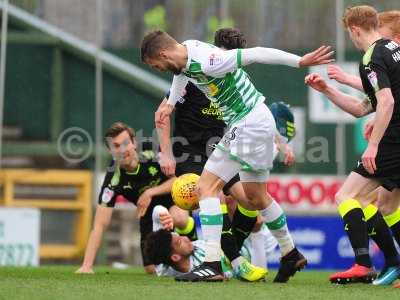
(179, 83)
(101, 221)
(336, 73)
(286, 150)
(146, 197)
(166, 220)
(345, 102)
(368, 128)
(167, 160)
(384, 112)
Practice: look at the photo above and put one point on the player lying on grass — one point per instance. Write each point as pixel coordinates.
(138, 178)
(255, 248)
(176, 255)
(387, 202)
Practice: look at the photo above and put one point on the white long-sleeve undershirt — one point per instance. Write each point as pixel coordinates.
(269, 56)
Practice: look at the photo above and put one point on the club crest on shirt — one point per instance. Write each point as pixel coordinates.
(213, 89)
(153, 170)
(215, 59)
(107, 195)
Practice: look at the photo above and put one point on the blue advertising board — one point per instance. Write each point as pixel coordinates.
(323, 241)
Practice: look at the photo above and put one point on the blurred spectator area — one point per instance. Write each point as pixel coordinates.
(286, 24)
(50, 86)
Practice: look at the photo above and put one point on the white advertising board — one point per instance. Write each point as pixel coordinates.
(19, 236)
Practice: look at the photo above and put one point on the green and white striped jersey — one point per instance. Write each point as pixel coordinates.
(247, 251)
(196, 259)
(218, 74)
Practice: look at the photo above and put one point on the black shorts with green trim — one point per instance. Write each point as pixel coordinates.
(388, 166)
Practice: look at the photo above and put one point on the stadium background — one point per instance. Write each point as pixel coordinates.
(59, 84)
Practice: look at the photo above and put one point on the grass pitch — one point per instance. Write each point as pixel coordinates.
(57, 282)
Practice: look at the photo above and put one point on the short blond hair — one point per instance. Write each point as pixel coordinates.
(391, 19)
(363, 16)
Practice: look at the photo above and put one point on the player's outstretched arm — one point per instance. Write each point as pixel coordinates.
(345, 102)
(336, 73)
(321, 56)
(278, 57)
(101, 221)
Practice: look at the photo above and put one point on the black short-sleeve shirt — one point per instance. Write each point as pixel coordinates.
(198, 121)
(132, 184)
(379, 69)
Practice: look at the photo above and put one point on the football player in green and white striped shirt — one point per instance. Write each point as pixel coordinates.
(175, 255)
(246, 148)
